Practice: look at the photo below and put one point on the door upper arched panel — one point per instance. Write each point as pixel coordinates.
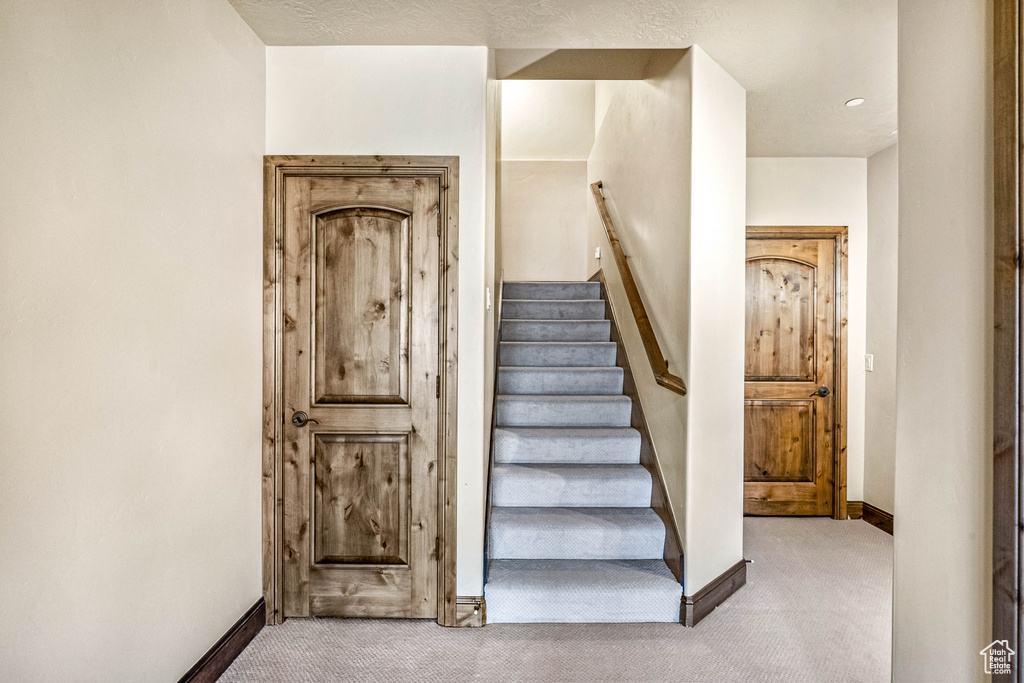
(362, 262)
(780, 320)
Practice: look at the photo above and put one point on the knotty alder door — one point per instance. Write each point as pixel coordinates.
(360, 395)
(790, 438)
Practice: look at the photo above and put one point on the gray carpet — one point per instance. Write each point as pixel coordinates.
(816, 607)
(570, 541)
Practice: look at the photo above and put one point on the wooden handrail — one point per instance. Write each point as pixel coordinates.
(643, 322)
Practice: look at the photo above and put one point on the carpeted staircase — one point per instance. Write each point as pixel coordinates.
(572, 536)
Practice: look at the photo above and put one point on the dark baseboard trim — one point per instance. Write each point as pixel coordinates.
(878, 517)
(219, 658)
(697, 606)
(470, 611)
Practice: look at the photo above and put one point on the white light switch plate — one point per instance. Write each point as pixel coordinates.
(488, 298)
(869, 362)
(597, 252)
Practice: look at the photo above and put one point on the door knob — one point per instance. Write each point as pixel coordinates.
(300, 419)
(822, 391)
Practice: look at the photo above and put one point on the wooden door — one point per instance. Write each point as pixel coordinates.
(790, 439)
(360, 397)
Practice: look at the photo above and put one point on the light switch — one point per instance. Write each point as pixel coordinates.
(869, 362)
(488, 298)
(597, 252)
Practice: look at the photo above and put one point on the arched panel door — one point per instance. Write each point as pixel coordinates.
(789, 437)
(360, 397)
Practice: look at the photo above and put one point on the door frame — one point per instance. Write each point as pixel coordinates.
(1008, 318)
(275, 169)
(840, 235)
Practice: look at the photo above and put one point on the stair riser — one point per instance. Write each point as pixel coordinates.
(568, 487)
(552, 290)
(556, 330)
(536, 381)
(562, 414)
(525, 542)
(618, 449)
(552, 310)
(547, 354)
(546, 591)
(584, 607)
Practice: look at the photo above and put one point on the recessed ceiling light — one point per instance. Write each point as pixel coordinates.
(855, 102)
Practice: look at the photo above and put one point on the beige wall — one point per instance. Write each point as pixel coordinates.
(714, 462)
(942, 589)
(544, 220)
(492, 246)
(671, 152)
(642, 154)
(381, 100)
(825, 191)
(130, 292)
(880, 384)
(551, 120)
(547, 133)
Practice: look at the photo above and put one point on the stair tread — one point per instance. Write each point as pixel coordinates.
(547, 518)
(597, 445)
(570, 485)
(574, 470)
(576, 398)
(561, 575)
(586, 533)
(553, 309)
(538, 289)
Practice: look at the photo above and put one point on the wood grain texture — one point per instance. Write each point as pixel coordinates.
(470, 611)
(659, 364)
(1007, 470)
(361, 324)
(791, 322)
(448, 475)
(697, 606)
(776, 446)
(780, 320)
(361, 498)
(272, 458)
(855, 509)
(783, 263)
(429, 535)
(878, 517)
(673, 550)
(219, 657)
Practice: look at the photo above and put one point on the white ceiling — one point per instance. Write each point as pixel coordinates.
(799, 60)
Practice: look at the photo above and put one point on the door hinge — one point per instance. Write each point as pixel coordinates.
(437, 387)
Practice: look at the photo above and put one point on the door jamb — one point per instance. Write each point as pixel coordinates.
(1008, 314)
(840, 235)
(275, 169)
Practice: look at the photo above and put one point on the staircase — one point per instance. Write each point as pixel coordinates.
(572, 536)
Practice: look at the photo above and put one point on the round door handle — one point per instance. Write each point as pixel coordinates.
(822, 391)
(300, 419)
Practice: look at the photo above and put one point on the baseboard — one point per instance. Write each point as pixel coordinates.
(697, 606)
(219, 658)
(878, 517)
(470, 611)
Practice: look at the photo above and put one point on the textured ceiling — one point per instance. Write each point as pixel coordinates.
(799, 60)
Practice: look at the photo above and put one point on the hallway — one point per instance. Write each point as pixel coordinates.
(817, 606)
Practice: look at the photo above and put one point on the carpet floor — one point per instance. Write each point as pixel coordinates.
(817, 607)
